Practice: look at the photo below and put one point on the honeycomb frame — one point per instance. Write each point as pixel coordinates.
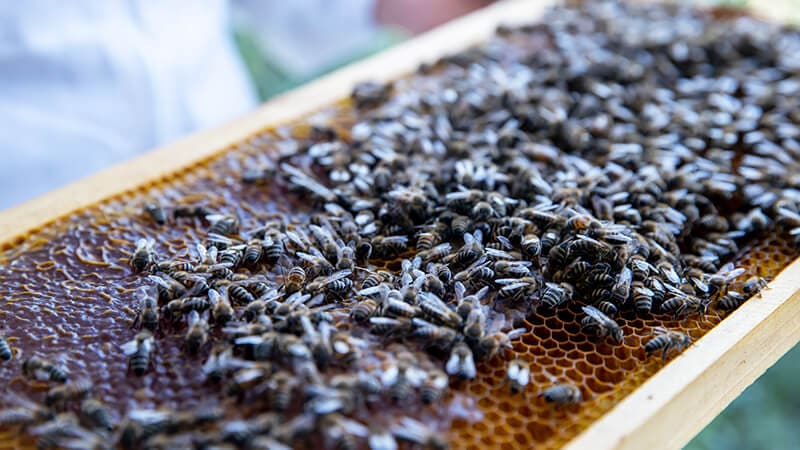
(756, 321)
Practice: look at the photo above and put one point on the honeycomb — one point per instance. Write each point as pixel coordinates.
(68, 291)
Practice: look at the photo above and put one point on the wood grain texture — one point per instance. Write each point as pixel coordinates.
(666, 412)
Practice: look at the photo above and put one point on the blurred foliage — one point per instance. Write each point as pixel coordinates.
(767, 414)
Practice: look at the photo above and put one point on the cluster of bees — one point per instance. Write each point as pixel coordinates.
(619, 167)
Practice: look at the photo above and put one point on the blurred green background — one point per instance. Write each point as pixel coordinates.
(767, 414)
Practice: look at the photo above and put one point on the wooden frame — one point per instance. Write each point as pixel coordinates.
(667, 411)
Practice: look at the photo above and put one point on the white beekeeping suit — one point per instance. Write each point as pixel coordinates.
(90, 83)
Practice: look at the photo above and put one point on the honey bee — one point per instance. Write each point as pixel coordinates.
(338, 283)
(58, 397)
(518, 373)
(200, 212)
(753, 285)
(668, 270)
(223, 225)
(221, 309)
(143, 256)
(281, 385)
(562, 394)
(25, 412)
(138, 352)
(555, 295)
(426, 240)
(434, 335)
(240, 294)
(38, 368)
(491, 344)
(642, 298)
(558, 255)
(156, 212)
(731, 300)
(436, 253)
(6, 353)
(148, 315)
(461, 362)
(683, 305)
(475, 324)
(512, 268)
(415, 432)
(364, 309)
(168, 287)
(518, 289)
(531, 245)
(389, 246)
(380, 439)
(607, 308)
(622, 288)
(196, 333)
(437, 310)
(401, 376)
(599, 324)
(667, 341)
(96, 415)
(434, 387)
(387, 325)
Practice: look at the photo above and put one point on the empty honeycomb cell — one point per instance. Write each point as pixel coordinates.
(542, 333)
(598, 386)
(594, 358)
(608, 375)
(584, 367)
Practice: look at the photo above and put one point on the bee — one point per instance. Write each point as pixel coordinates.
(475, 324)
(221, 309)
(38, 368)
(389, 246)
(200, 212)
(168, 287)
(273, 248)
(156, 212)
(338, 282)
(607, 308)
(143, 256)
(341, 433)
(436, 253)
(580, 222)
(667, 341)
(434, 335)
(461, 362)
(470, 252)
(437, 310)
(558, 255)
(240, 294)
(53, 433)
(518, 289)
(599, 324)
(549, 240)
(588, 247)
(6, 353)
(554, 295)
(138, 352)
(562, 394)
(622, 288)
(380, 439)
(642, 298)
(375, 278)
(426, 240)
(281, 385)
(316, 264)
(512, 268)
(669, 272)
(531, 245)
(25, 412)
(58, 397)
(753, 285)
(491, 344)
(731, 300)
(417, 433)
(253, 251)
(364, 309)
(683, 305)
(401, 376)
(518, 373)
(434, 387)
(96, 415)
(148, 315)
(196, 334)
(223, 225)
(576, 270)
(477, 272)
(434, 285)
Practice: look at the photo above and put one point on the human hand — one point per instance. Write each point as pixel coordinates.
(418, 16)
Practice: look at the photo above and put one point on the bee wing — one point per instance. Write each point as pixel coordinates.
(469, 367)
(517, 332)
(377, 289)
(460, 290)
(147, 416)
(382, 441)
(354, 428)
(416, 376)
(129, 347)
(389, 375)
(595, 313)
(249, 340)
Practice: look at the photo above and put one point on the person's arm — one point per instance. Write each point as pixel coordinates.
(418, 16)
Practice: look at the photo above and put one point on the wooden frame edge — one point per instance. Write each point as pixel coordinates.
(677, 402)
(327, 90)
